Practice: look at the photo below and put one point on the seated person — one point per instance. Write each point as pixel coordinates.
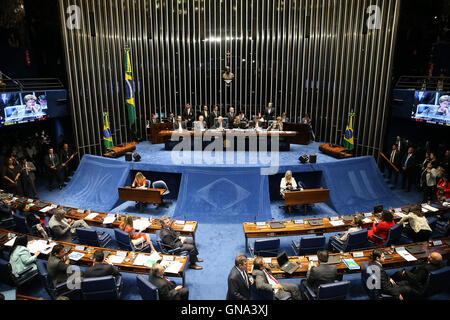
(417, 276)
(276, 125)
(284, 118)
(219, 125)
(444, 106)
(139, 181)
(167, 289)
(33, 221)
(127, 226)
(6, 211)
(387, 285)
(173, 240)
(417, 229)
(288, 183)
(200, 125)
(256, 124)
(100, 269)
(356, 226)
(321, 274)
(264, 280)
(237, 124)
(381, 229)
(57, 265)
(63, 228)
(20, 257)
(179, 124)
(242, 116)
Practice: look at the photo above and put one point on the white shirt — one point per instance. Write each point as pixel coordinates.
(271, 282)
(244, 275)
(430, 177)
(283, 184)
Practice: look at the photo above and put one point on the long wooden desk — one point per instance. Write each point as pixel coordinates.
(120, 150)
(229, 132)
(148, 195)
(87, 260)
(292, 198)
(291, 228)
(396, 261)
(186, 228)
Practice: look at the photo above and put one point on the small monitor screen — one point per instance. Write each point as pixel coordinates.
(431, 107)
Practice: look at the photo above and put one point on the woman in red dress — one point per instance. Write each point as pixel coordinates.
(443, 189)
(381, 229)
(127, 226)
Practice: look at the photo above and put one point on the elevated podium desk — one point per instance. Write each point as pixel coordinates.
(148, 195)
(156, 128)
(292, 198)
(394, 261)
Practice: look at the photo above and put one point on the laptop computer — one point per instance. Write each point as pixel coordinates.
(333, 260)
(277, 225)
(315, 222)
(415, 249)
(347, 218)
(286, 265)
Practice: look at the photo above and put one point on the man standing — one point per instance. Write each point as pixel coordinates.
(188, 115)
(53, 165)
(231, 115)
(409, 169)
(167, 289)
(205, 113)
(173, 240)
(269, 113)
(239, 281)
(215, 114)
(66, 158)
(395, 158)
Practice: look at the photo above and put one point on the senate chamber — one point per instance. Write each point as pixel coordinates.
(247, 154)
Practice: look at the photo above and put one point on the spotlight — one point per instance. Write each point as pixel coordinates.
(303, 158)
(137, 157)
(128, 156)
(312, 158)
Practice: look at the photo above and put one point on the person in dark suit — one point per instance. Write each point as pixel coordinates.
(6, 211)
(206, 114)
(173, 240)
(264, 280)
(417, 276)
(179, 124)
(409, 169)
(58, 264)
(66, 156)
(172, 118)
(214, 114)
(239, 281)
(188, 115)
(395, 158)
(54, 169)
(219, 125)
(269, 112)
(387, 285)
(256, 123)
(100, 269)
(321, 274)
(231, 115)
(167, 289)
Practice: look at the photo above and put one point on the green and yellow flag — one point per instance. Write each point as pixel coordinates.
(107, 138)
(348, 138)
(129, 88)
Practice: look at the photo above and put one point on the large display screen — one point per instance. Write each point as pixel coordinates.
(21, 107)
(432, 107)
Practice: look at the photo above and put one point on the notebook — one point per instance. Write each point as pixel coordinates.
(415, 249)
(315, 222)
(347, 218)
(333, 260)
(277, 225)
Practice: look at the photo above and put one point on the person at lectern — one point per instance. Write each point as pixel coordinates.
(139, 181)
(219, 124)
(288, 183)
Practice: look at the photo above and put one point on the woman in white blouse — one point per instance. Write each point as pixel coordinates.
(288, 183)
(418, 228)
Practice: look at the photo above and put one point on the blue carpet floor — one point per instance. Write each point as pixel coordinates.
(219, 239)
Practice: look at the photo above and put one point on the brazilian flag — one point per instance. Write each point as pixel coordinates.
(348, 138)
(129, 88)
(107, 138)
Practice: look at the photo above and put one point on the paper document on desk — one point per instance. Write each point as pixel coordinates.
(179, 222)
(430, 208)
(188, 227)
(141, 224)
(10, 243)
(41, 246)
(75, 256)
(110, 218)
(116, 259)
(367, 220)
(400, 214)
(405, 254)
(172, 266)
(337, 223)
(91, 216)
(46, 209)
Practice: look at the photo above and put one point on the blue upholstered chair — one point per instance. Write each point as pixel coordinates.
(441, 229)
(165, 249)
(373, 293)
(308, 245)
(54, 291)
(7, 277)
(91, 237)
(162, 185)
(330, 291)
(355, 240)
(265, 248)
(393, 237)
(438, 281)
(147, 290)
(100, 288)
(19, 221)
(124, 241)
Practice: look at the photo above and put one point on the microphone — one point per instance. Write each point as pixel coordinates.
(254, 220)
(185, 218)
